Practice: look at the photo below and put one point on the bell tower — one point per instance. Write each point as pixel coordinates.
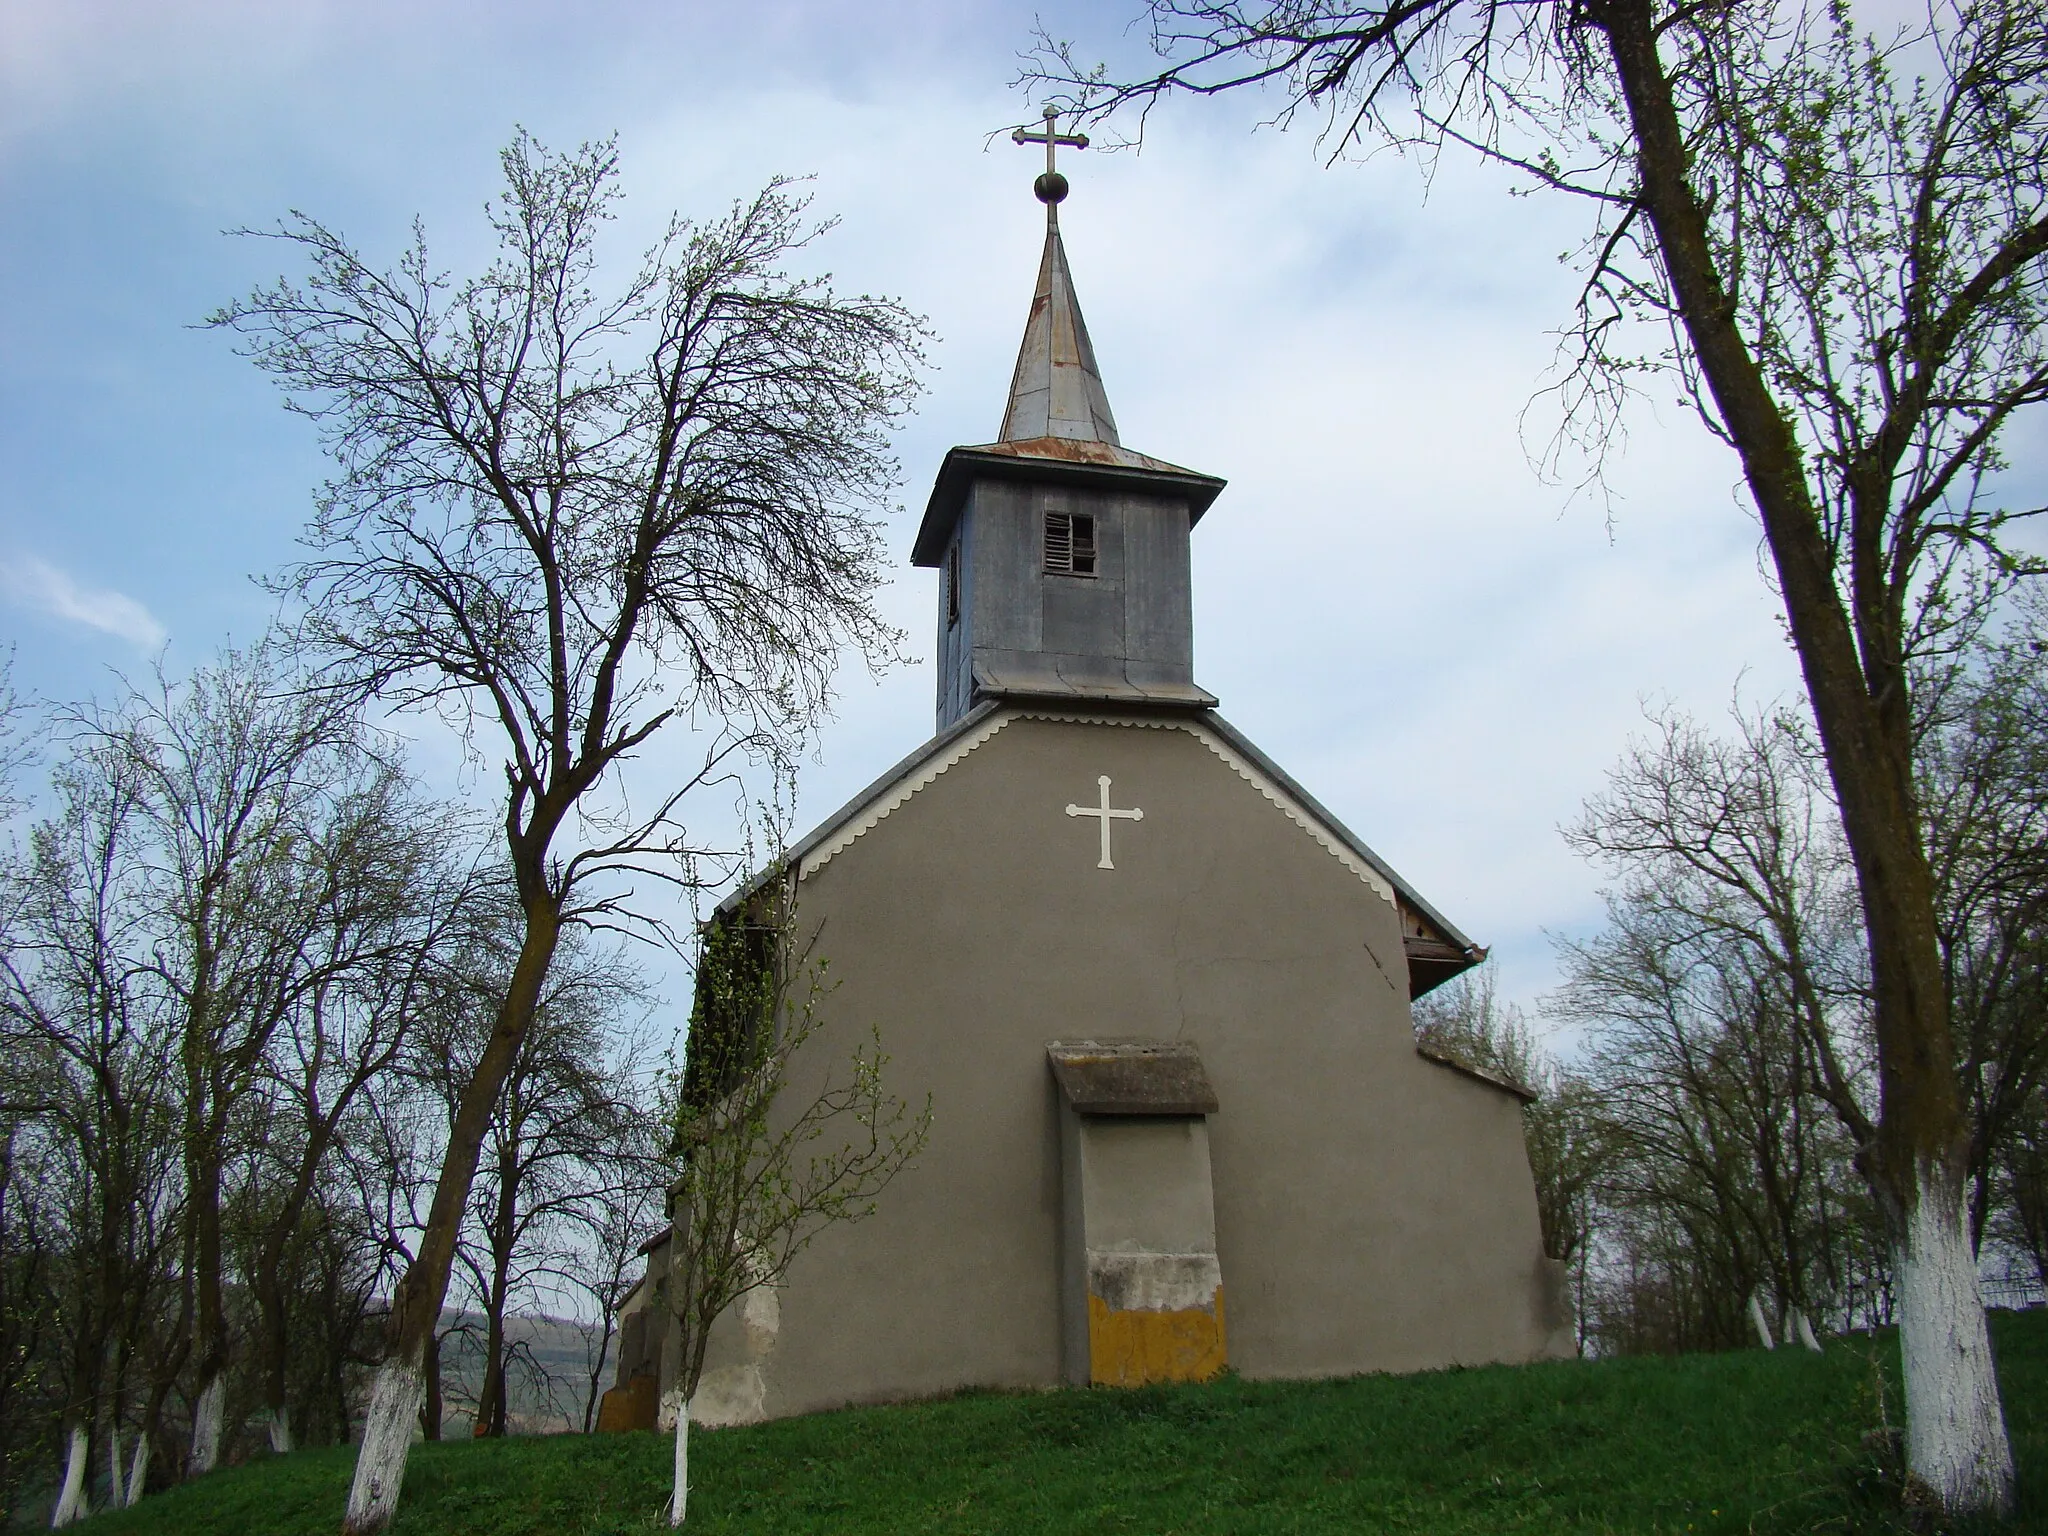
(1063, 555)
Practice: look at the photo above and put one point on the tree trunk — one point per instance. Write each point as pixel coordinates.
(604, 1355)
(490, 1408)
(1756, 1316)
(268, 1280)
(1955, 1429)
(416, 1302)
(430, 1400)
(116, 1496)
(679, 1500)
(1914, 1165)
(210, 1317)
(1804, 1330)
(207, 1415)
(138, 1468)
(490, 1399)
(71, 1502)
(167, 1373)
(269, 1287)
(387, 1437)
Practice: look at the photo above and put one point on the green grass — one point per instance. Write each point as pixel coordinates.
(1744, 1442)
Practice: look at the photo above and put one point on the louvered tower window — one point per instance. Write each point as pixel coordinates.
(953, 585)
(1070, 543)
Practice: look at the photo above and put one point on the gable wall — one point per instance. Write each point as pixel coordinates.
(1373, 1212)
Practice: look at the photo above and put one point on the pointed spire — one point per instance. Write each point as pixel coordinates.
(1057, 388)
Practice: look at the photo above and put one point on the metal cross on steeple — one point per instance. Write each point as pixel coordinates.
(1052, 186)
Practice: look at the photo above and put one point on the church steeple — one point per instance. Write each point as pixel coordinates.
(1064, 554)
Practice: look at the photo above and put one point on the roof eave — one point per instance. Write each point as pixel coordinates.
(963, 466)
(1357, 844)
(793, 858)
(1466, 1069)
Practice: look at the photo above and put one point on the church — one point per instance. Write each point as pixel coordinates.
(1157, 994)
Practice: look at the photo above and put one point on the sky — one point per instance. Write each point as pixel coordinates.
(1442, 647)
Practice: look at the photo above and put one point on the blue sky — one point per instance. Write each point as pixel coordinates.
(1443, 648)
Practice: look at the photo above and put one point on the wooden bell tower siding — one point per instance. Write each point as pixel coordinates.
(1158, 994)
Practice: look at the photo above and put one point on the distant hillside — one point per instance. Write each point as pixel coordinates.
(1753, 1443)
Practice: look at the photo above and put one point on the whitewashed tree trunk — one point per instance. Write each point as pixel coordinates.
(1955, 1429)
(71, 1502)
(394, 1413)
(1756, 1316)
(138, 1468)
(681, 1498)
(281, 1431)
(1805, 1329)
(206, 1424)
(116, 1497)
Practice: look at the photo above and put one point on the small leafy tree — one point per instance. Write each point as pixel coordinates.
(762, 1172)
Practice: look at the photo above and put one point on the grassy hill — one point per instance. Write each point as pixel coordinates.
(1744, 1442)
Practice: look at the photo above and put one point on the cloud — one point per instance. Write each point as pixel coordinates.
(37, 584)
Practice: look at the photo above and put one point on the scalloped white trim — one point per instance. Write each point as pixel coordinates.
(877, 810)
(1297, 813)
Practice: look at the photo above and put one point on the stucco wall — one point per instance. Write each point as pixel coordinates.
(1373, 1211)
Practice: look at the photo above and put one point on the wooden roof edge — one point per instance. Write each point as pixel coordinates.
(1492, 1080)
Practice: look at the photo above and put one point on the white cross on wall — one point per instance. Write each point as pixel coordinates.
(1107, 815)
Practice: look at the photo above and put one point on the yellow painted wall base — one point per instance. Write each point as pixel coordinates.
(627, 1408)
(1128, 1349)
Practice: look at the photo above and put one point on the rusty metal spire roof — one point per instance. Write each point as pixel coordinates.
(1057, 388)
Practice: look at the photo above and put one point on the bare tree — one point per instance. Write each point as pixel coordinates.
(569, 520)
(89, 1060)
(1728, 1004)
(1844, 242)
(761, 1169)
(25, 1253)
(1734, 954)
(1466, 1020)
(389, 1165)
(1731, 841)
(242, 779)
(1983, 768)
(1723, 1166)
